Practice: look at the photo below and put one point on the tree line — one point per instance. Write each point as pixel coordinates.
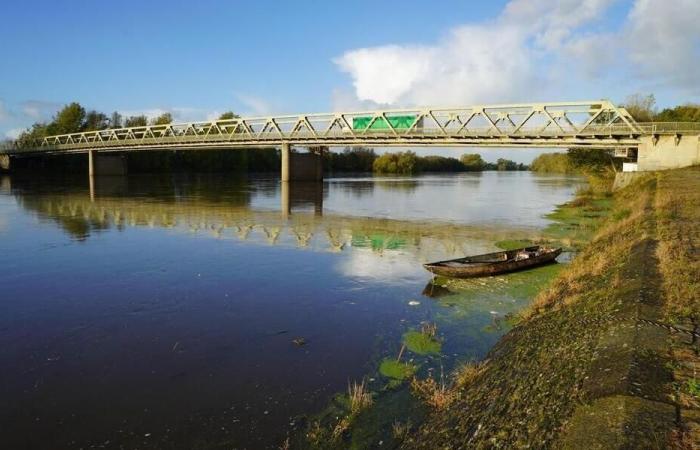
(643, 109)
(406, 163)
(74, 118)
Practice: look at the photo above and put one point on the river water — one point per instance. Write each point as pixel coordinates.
(161, 311)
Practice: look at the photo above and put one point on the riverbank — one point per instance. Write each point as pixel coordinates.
(592, 363)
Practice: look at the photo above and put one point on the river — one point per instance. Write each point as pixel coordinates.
(209, 311)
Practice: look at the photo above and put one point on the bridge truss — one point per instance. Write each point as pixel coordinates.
(594, 123)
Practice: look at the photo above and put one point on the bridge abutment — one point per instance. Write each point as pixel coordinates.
(106, 164)
(663, 152)
(302, 166)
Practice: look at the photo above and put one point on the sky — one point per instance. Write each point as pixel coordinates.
(198, 59)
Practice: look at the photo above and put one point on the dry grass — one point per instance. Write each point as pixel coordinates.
(678, 222)
(360, 397)
(429, 329)
(467, 373)
(341, 427)
(617, 237)
(400, 430)
(437, 395)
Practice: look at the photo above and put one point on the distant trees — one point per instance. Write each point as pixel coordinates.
(684, 113)
(472, 162)
(553, 162)
(163, 119)
(641, 107)
(360, 159)
(404, 163)
(136, 121)
(409, 163)
(228, 115)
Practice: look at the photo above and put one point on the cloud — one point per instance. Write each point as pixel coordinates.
(663, 40)
(39, 109)
(255, 106)
(13, 133)
(535, 49)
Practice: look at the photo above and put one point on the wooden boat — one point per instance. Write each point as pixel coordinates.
(494, 263)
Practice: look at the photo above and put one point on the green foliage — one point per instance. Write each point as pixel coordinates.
(360, 159)
(136, 121)
(472, 162)
(684, 113)
(694, 387)
(422, 343)
(163, 119)
(95, 120)
(553, 162)
(439, 164)
(396, 370)
(404, 163)
(228, 115)
(589, 160)
(506, 164)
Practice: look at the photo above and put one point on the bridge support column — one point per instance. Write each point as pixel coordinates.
(5, 163)
(302, 166)
(106, 164)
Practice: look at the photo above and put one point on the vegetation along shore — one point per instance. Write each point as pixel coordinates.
(604, 357)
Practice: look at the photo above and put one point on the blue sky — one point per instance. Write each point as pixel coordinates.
(197, 59)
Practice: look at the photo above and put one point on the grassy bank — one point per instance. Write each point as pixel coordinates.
(592, 363)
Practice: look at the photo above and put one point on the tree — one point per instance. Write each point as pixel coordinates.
(136, 121)
(506, 164)
(95, 121)
(115, 121)
(685, 113)
(163, 119)
(473, 162)
(229, 115)
(404, 163)
(641, 107)
(70, 119)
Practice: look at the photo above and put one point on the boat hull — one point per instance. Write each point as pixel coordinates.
(468, 270)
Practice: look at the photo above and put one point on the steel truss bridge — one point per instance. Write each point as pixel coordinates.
(598, 124)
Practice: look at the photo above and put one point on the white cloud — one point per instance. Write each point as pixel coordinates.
(255, 106)
(38, 110)
(535, 49)
(14, 133)
(663, 39)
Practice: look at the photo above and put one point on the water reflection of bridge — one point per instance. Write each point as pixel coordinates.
(81, 215)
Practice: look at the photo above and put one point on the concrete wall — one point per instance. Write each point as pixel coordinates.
(667, 153)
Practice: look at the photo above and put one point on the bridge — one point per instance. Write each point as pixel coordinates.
(592, 124)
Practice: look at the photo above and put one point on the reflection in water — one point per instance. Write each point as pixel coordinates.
(159, 312)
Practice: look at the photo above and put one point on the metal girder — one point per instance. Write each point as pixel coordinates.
(593, 123)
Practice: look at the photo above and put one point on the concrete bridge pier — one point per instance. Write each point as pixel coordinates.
(106, 164)
(302, 166)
